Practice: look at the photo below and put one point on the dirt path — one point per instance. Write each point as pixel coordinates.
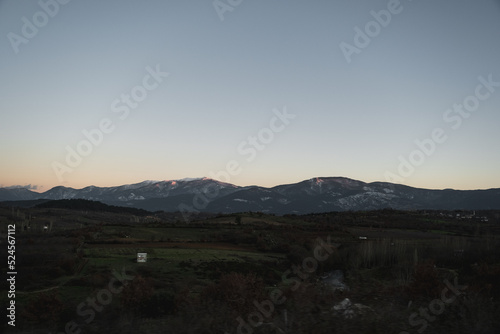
(75, 275)
(38, 291)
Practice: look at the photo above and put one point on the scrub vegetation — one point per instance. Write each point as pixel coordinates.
(415, 272)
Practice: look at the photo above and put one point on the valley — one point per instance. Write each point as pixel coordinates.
(251, 272)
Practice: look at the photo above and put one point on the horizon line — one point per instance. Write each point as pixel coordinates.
(189, 179)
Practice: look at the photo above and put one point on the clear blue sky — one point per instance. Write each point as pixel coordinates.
(354, 116)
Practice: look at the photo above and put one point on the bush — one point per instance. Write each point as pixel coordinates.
(136, 293)
(236, 290)
(44, 309)
(159, 304)
(425, 283)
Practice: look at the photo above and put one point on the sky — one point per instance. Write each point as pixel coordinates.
(260, 92)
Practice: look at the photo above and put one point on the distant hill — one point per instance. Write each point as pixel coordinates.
(86, 205)
(316, 195)
(23, 203)
(17, 194)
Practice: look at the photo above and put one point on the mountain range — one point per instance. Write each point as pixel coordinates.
(319, 194)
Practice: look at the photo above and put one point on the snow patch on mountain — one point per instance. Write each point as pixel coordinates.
(189, 179)
(368, 200)
(131, 197)
(284, 201)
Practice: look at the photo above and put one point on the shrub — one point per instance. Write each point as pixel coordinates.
(236, 290)
(137, 293)
(44, 309)
(425, 281)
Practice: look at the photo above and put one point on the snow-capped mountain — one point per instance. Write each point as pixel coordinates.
(17, 194)
(343, 194)
(140, 191)
(313, 195)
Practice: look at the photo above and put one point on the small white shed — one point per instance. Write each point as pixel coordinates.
(142, 257)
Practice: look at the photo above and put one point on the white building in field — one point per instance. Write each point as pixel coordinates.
(142, 257)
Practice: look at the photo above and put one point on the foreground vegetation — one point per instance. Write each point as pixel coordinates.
(412, 272)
